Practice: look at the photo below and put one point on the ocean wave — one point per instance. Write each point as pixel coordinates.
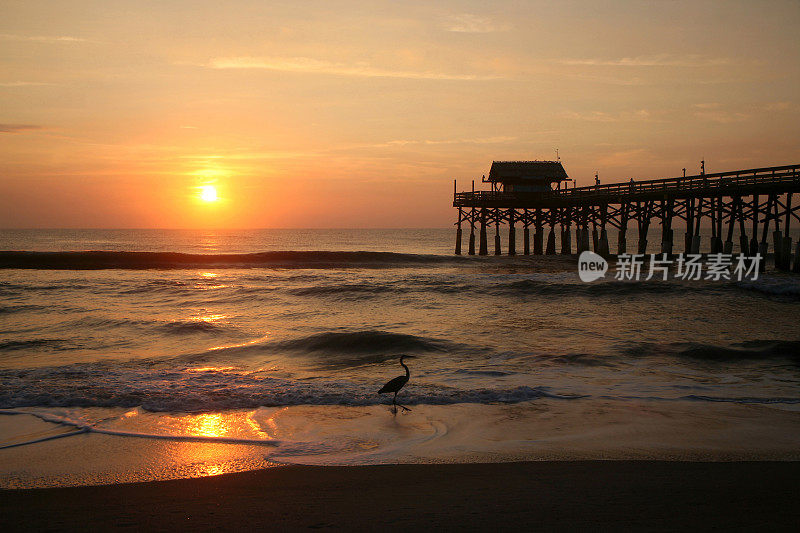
(11, 309)
(606, 288)
(782, 287)
(366, 341)
(181, 327)
(157, 286)
(190, 390)
(743, 399)
(96, 260)
(345, 289)
(52, 344)
(742, 351)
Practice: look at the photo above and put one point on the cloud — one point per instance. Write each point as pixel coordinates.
(663, 60)
(483, 140)
(780, 106)
(602, 116)
(316, 66)
(467, 23)
(721, 116)
(612, 80)
(43, 38)
(23, 83)
(18, 128)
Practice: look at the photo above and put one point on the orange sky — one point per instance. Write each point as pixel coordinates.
(360, 114)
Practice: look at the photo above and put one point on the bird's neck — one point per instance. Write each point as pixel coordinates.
(408, 374)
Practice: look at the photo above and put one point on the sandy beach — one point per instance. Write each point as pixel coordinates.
(604, 495)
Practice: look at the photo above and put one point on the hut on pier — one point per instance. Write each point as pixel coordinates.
(526, 176)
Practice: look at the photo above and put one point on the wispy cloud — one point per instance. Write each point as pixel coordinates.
(317, 66)
(602, 116)
(468, 23)
(23, 83)
(43, 38)
(18, 128)
(663, 60)
(610, 80)
(482, 140)
(780, 106)
(363, 149)
(721, 116)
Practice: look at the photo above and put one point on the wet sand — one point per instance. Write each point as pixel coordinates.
(639, 495)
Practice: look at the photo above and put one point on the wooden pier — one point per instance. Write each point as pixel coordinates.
(535, 194)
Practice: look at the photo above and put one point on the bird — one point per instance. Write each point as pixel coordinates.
(394, 385)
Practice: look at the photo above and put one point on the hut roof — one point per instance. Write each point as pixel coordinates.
(548, 171)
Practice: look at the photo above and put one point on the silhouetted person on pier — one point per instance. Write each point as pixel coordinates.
(395, 385)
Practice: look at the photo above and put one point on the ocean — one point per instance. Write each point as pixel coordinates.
(269, 346)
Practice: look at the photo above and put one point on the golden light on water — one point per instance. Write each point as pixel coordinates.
(210, 425)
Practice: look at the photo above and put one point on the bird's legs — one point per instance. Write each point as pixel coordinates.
(395, 405)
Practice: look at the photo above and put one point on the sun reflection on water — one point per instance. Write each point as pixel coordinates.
(211, 459)
(209, 281)
(209, 425)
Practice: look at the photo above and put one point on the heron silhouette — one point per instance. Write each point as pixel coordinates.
(396, 384)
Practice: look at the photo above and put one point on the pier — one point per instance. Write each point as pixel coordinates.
(755, 204)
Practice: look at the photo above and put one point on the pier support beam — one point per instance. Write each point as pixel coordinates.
(497, 250)
(551, 242)
(484, 248)
(566, 241)
(472, 240)
(512, 234)
(538, 241)
(728, 247)
(796, 266)
(644, 226)
(622, 241)
(526, 241)
(786, 254)
(777, 246)
(458, 240)
(754, 240)
(603, 248)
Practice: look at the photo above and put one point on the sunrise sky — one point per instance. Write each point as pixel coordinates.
(360, 114)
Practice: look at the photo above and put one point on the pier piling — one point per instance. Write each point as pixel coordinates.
(484, 248)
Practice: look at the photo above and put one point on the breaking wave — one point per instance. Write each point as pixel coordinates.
(743, 351)
(363, 342)
(194, 390)
(97, 260)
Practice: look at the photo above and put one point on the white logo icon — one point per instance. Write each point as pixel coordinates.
(591, 266)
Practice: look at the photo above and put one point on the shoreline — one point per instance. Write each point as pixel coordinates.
(548, 495)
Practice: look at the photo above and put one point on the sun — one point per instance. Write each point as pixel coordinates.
(208, 193)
